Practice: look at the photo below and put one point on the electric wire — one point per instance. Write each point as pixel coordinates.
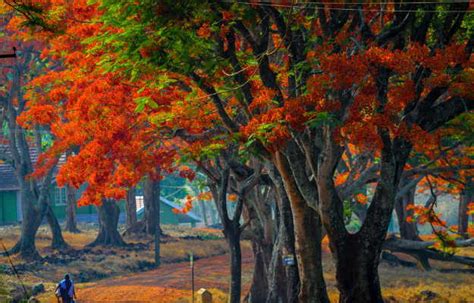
(319, 4)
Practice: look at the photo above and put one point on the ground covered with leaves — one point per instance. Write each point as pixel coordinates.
(127, 275)
(92, 264)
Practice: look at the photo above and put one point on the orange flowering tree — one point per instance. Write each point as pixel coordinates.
(294, 85)
(302, 81)
(20, 147)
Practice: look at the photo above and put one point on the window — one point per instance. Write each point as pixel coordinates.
(60, 196)
(140, 201)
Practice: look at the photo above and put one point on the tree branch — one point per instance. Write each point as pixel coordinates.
(437, 116)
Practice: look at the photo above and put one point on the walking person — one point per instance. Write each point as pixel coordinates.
(65, 290)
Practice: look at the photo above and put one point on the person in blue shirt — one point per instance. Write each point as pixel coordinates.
(65, 290)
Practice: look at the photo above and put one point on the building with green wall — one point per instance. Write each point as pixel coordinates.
(10, 206)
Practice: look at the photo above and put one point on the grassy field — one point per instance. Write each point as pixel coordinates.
(113, 275)
(92, 264)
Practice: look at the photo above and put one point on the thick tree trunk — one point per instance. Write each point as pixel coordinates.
(29, 226)
(262, 252)
(466, 197)
(259, 287)
(308, 236)
(108, 222)
(31, 220)
(131, 209)
(408, 230)
(71, 221)
(283, 281)
(57, 241)
(278, 276)
(357, 255)
(356, 271)
(261, 230)
(26, 246)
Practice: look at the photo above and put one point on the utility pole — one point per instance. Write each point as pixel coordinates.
(157, 202)
(191, 261)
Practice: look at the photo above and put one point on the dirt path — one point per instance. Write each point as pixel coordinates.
(166, 284)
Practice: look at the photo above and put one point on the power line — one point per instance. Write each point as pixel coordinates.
(314, 4)
(354, 3)
(376, 3)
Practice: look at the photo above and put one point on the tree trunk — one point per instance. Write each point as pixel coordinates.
(151, 215)
(33, 214)
(108, 221)
(408, 230)
(233, 239)
(308, 236)
(57, 241)
(261, 230)
(232, 230)
(262, 252)
(131, 209)
(356, 271)
(71, 221)
(357, 255)
(283, 280)
(259, 287)
(156, 202)
(204, 212)
(29, 226)
(466, 197)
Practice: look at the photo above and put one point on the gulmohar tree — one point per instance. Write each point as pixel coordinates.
(296, 86)
(22, 148)
(303, 81)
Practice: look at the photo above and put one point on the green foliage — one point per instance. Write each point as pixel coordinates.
(150, 40)
(211, 151)
(321, 118)
(464, 126)
(145, 101)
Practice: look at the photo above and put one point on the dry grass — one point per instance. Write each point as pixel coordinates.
(404, 284)
(86, 264)
(183, 231)
(400, 284)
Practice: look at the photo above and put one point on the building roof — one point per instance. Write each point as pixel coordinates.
(182, 218)
(189, 214)
(8, 180)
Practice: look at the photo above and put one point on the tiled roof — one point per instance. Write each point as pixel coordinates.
(8, 180)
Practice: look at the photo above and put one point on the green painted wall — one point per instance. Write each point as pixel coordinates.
(167, 216)
(8, 207)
